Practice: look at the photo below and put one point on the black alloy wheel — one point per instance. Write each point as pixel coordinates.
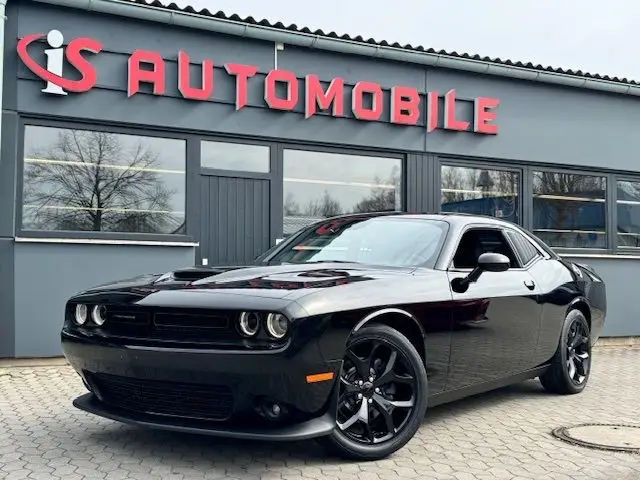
(383, 395)
(571, 364)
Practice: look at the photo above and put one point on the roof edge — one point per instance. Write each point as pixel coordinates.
(351, 47)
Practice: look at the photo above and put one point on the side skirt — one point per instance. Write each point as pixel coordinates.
(475, 389)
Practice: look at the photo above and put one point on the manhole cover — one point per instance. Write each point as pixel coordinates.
(621, 438)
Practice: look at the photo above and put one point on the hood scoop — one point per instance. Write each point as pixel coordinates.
(193, 274)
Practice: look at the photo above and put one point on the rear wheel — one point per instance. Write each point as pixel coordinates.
(571, 364)
(382, 398)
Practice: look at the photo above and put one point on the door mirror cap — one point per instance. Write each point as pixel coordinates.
(493, 262)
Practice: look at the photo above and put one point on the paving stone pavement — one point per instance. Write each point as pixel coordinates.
(500, 435)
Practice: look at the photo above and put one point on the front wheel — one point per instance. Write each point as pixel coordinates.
(382, 398)
(571, 364)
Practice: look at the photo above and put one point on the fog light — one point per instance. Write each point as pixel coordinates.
(277, 325)
(99, 315)
(81, 314)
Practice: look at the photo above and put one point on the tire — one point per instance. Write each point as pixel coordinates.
(404, 398)
(561, 377)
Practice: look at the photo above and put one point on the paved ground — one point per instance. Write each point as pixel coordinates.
(504, 434)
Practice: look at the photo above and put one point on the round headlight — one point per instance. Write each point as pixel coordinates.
(81, 314)
(99, 314)
(249, 323)
(277, 325)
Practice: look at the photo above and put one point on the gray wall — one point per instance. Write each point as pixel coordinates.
(538, 123)
(47, 274)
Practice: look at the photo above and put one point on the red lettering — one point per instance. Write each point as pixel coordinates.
(432, 111)
(270, 95)
(137, 75)
(184, 79)
(450, 122)
(89, 76)
(315, 95)
(482, 117)
(242, 73)
(405, 105)
(357, 101)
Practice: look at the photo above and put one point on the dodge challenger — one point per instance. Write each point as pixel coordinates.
(345, 332)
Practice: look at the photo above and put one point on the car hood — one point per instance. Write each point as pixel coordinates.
(270, 281)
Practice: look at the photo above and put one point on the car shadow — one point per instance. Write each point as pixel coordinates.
(240, 457)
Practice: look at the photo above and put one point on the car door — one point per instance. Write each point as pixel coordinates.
(497, 320)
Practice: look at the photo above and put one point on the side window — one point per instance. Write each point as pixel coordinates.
(477, 241)
(523, 246)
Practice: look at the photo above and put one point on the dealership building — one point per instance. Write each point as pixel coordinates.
(138, 138)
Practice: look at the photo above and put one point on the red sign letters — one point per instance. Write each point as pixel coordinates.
(406, 103)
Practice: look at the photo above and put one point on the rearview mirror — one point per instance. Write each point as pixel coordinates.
(487, 262)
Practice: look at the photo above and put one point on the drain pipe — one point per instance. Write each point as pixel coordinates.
(3, 20)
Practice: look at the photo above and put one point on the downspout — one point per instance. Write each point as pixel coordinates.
(196, 21)
(3, 6)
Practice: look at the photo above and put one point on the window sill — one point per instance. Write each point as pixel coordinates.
(104, 241)
(619, 256)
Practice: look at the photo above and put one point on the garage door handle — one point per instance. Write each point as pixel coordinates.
(530, 284)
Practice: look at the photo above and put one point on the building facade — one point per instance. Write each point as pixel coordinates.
(138, 138)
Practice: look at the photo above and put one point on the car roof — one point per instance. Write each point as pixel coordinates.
(454, 218)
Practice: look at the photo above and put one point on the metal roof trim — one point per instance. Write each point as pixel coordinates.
(263, 30)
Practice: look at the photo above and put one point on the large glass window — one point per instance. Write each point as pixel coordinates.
(480, 191)
(82, 180)
(235, 156)
(319, 185)
(569, 210)
(628, 205)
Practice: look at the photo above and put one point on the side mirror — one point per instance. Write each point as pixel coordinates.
(487, 262)
(493, 262)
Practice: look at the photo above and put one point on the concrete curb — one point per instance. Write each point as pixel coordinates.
(603, 343)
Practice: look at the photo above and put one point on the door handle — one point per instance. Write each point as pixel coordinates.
(530, 284)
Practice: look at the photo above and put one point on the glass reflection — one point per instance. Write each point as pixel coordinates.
(628, 206)
(480, 191)
(81, 180)
(569, 210)
(235, 156)
(319, 185)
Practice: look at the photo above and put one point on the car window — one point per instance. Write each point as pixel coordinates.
(524, 247)
(389, 241)
(476, 241)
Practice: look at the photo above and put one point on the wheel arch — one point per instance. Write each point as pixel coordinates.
(401, 320)
(582, 305)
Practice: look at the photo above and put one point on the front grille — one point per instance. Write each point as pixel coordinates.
(169, 325)
(176, 399)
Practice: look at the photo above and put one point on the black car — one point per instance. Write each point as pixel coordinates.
(345, 332)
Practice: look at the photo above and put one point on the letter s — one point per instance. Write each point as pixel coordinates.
(75, 58)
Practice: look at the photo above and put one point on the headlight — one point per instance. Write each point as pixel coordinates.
(99, 314)
(81, 314)
(249, 323)
(277, 325)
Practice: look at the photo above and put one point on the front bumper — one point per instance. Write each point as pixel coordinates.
(206, 391)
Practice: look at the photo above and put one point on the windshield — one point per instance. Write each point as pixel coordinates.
(386, 240)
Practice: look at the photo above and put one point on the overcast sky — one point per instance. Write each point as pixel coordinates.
(596, 36)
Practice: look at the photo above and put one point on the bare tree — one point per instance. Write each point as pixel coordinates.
(90, 181)
(382, 198)
(325, 206)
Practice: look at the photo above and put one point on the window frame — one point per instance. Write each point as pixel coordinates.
(621, 250)
(480, 164)
(575, 251)
(106, 237)
(348, 151)
(221, 172)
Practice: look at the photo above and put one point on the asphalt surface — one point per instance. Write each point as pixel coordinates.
(504, 434)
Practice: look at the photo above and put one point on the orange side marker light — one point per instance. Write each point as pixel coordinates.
(319, 377)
